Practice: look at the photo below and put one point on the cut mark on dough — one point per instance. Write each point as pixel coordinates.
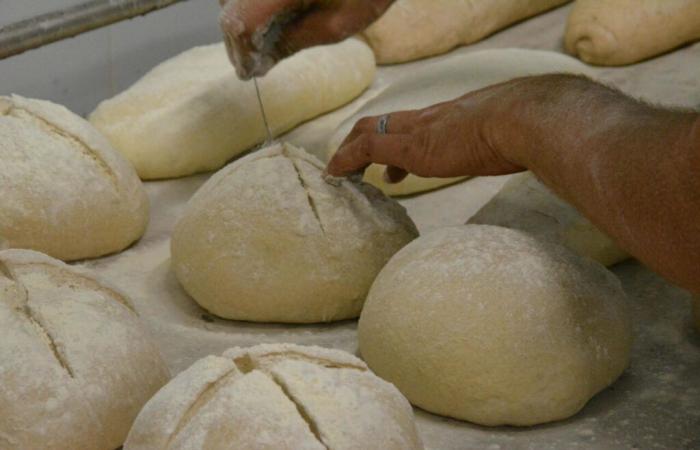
(309, 197)
(26, 310)
(555, 219)
(89, 283)
(202, 399)
(6, 272)
(247, 364)
(301, 409)
(53, 129)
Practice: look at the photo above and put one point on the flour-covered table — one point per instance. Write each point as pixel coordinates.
(655, 404)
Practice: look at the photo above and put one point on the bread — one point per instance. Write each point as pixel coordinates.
(276, 397)
(267, 240)
(65, 191)
(192, 114)
(76, 365)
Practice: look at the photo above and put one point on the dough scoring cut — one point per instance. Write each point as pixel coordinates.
(413, 29)
(276, 397)
(65, 190)
(76, 365)
(524, 203)
(446, 80)
(192, 114)
(618, 32)
(268, 240)
(492, 326)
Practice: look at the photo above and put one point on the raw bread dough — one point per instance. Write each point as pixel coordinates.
(65, 191)
(618, 32)
(192, 114)
(526, 204)
(413, 29)
(493, 326)
(447, 80)
(277, 397)
(76, 365)
(267, 240)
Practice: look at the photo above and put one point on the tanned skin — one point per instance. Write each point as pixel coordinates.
(631, 168)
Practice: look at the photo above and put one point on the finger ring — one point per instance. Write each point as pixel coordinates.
(382, 124)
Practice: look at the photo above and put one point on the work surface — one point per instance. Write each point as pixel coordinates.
(655, 404)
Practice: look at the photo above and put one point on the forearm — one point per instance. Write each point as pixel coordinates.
(632, 169)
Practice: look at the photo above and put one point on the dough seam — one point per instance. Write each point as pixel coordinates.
(207, 394)
(51, 128)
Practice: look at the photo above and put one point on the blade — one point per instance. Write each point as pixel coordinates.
(270, 138)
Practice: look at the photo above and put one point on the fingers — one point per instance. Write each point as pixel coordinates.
(393, 150)
(393, 175)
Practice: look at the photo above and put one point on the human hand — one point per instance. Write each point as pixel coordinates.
(259, 33)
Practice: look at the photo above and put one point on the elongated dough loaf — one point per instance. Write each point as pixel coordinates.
(64, 190)
(446, 80)
(413, 29)
(76, 365)
(617, 32)
(276, 397)
(192, 114)
(526, 204)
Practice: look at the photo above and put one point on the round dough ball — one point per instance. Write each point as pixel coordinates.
(76, 365)
(490, 325)
(65, 191)
(277, 397)
(267, 240)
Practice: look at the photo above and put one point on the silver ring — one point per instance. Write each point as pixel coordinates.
(383, 124)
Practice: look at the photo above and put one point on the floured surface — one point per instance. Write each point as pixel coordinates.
(656, 403)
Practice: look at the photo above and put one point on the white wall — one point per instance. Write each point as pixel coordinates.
(80, 72)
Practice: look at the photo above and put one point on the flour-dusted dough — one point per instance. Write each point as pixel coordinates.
(493, 326)
(64, 190)
(276, 397)
(76, 365)
(446, 80)
(413, 29)
(267, 240)
(192, 114)
(526, 204)
(618, 32)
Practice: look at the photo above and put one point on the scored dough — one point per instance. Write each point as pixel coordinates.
(526, 204)
(618, 32)
(276, 397)
(267, 240)
(65, 190)
(192, 114)
(446, 80)
(493, 326)
(76, 365)
(413, 29)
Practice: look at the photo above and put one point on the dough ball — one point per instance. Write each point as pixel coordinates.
(618, 32)
(76, 365)
(490, 325)
(65, 191)
(526, 204)
(192, 114)
(277, 397)
(413, 29)
(267, 240)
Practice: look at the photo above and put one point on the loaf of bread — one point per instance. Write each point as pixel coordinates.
(76, 365)
(65, 191)
(276, 397)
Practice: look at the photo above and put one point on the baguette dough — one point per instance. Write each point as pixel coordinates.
(192, 114)
(267, 240)
(618, 32)
(446, 80)
(526, 204)
(76, 365)
(413, 29)
(493, 326)
(276, 397)
(65, 191)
